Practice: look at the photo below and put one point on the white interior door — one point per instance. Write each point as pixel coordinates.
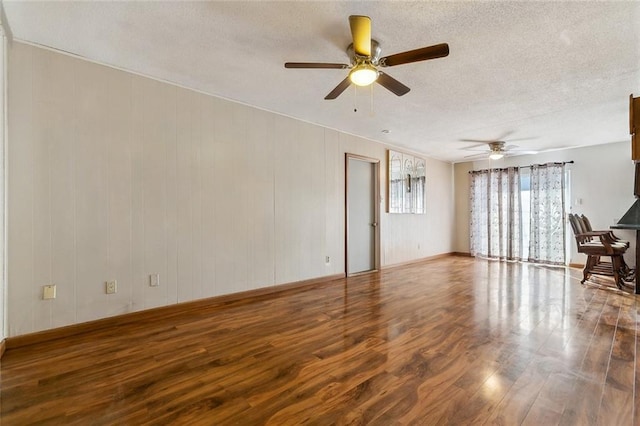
(362, 214)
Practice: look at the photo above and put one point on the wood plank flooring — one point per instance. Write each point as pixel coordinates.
(452, 341)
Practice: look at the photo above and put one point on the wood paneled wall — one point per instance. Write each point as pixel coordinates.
(117, 176)
(3, 47)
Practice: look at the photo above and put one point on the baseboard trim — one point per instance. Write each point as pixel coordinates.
(462, 253)
(420, 260)
(576, 265)
(3, 347)
(160, 312)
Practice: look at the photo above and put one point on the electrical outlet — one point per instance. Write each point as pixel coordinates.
(327, 259)
(154, 280)
(49, 292)
(111, 287)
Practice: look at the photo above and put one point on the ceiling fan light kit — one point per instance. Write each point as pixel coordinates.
(496, 155)
(364, 53)
(363, 74)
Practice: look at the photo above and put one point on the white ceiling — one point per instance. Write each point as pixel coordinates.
(559, 73)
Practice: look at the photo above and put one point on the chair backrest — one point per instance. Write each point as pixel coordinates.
(587, 224)
(571, 222)
(575, 224)
(578, 230)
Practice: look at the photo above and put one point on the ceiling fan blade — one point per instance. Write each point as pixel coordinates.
(486, 149)
(339, 89)
(422, 54)
(521, 152)
(476, 140)
(391, 84)
(520, 139)
(361, 33)
(505, 135)
(315, 65)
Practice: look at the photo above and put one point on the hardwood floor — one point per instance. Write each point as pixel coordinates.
(451, 341)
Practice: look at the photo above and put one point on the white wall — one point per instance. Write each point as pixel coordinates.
(601, 177)
(116, 176)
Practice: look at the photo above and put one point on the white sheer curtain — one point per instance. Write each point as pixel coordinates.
(496, 214)
(547, 230)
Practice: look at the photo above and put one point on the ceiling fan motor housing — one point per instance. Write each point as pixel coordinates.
(373, 60)
(497, 146)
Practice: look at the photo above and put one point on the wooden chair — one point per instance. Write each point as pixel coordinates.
(628, 273)
(599, 244)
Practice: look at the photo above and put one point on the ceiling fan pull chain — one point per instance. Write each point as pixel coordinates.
(355, 98)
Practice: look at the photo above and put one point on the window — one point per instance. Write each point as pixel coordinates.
(518, 213)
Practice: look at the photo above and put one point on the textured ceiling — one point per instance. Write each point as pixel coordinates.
(558, 74)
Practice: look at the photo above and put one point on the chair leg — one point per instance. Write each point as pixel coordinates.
(616, 265)
(587, 268)
(628, 274)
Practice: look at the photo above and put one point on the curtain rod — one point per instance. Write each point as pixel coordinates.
(559, 163)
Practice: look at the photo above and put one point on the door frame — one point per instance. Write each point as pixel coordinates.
(376, 212)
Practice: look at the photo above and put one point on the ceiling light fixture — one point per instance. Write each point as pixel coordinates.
(363, 74)
(496, 155)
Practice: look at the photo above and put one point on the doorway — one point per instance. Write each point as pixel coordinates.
(362, 214)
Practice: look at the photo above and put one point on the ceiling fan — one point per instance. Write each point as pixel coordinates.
(495, 149)
(364, 53)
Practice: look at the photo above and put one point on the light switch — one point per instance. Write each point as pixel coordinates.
(154, 280)
(49, 292)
